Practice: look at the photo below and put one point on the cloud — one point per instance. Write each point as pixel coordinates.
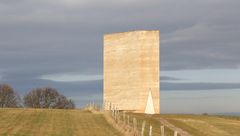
(71, 77)
(204, 75)
(212, 101)
(42, 38)
(200, 36)
(167, 86)
(202, 46)
(167, 78)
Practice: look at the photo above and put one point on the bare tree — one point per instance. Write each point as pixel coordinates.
(8, 97)
(71, 104)
(47, 98)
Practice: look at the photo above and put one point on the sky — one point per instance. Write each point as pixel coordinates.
(59, 44)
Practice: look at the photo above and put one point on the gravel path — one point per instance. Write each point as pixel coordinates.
(172, 127)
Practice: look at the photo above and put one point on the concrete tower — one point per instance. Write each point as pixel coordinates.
(131, 71)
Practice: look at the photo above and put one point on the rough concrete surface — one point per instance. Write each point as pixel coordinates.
(131, 69)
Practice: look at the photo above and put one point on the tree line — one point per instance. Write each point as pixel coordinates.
(37, 98)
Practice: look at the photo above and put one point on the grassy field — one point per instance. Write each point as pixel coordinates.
(196, 125)
(38, 122)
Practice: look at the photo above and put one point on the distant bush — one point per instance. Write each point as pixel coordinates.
(205, 114)
(47, 98)
(8, 97)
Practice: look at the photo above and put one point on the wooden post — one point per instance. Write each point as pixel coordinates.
(115, 117)
(118, 116)
(134, 126)
(106, 105)
(110, 106)
(143, 127)
(113, 111)
(175, 133)
(128, 121)
(117, 111)
(162, 130)
(150, 130)
(134, 123)
(124, 118)
(113, 108)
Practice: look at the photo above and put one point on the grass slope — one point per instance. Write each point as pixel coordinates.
(197, 125)
(40, 122)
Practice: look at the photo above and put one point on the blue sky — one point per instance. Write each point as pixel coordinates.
(59, 43)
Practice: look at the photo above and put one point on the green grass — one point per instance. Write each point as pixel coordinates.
(46, 122)
(197, 125)
(43, 122)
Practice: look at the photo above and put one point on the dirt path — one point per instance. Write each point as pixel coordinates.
(172, 127)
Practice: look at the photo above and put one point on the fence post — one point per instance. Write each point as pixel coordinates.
(112, 109)
(134, 126)
(150, 131)
(134, 123)
(110, 106)
(118, 116)
(162, 130)
(175, 133)
(115, 113)
(143, 127)
(105, 105)
(128, 120)
(112, 113)
(124, 118)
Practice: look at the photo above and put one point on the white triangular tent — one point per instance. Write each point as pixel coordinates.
(149, 107)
